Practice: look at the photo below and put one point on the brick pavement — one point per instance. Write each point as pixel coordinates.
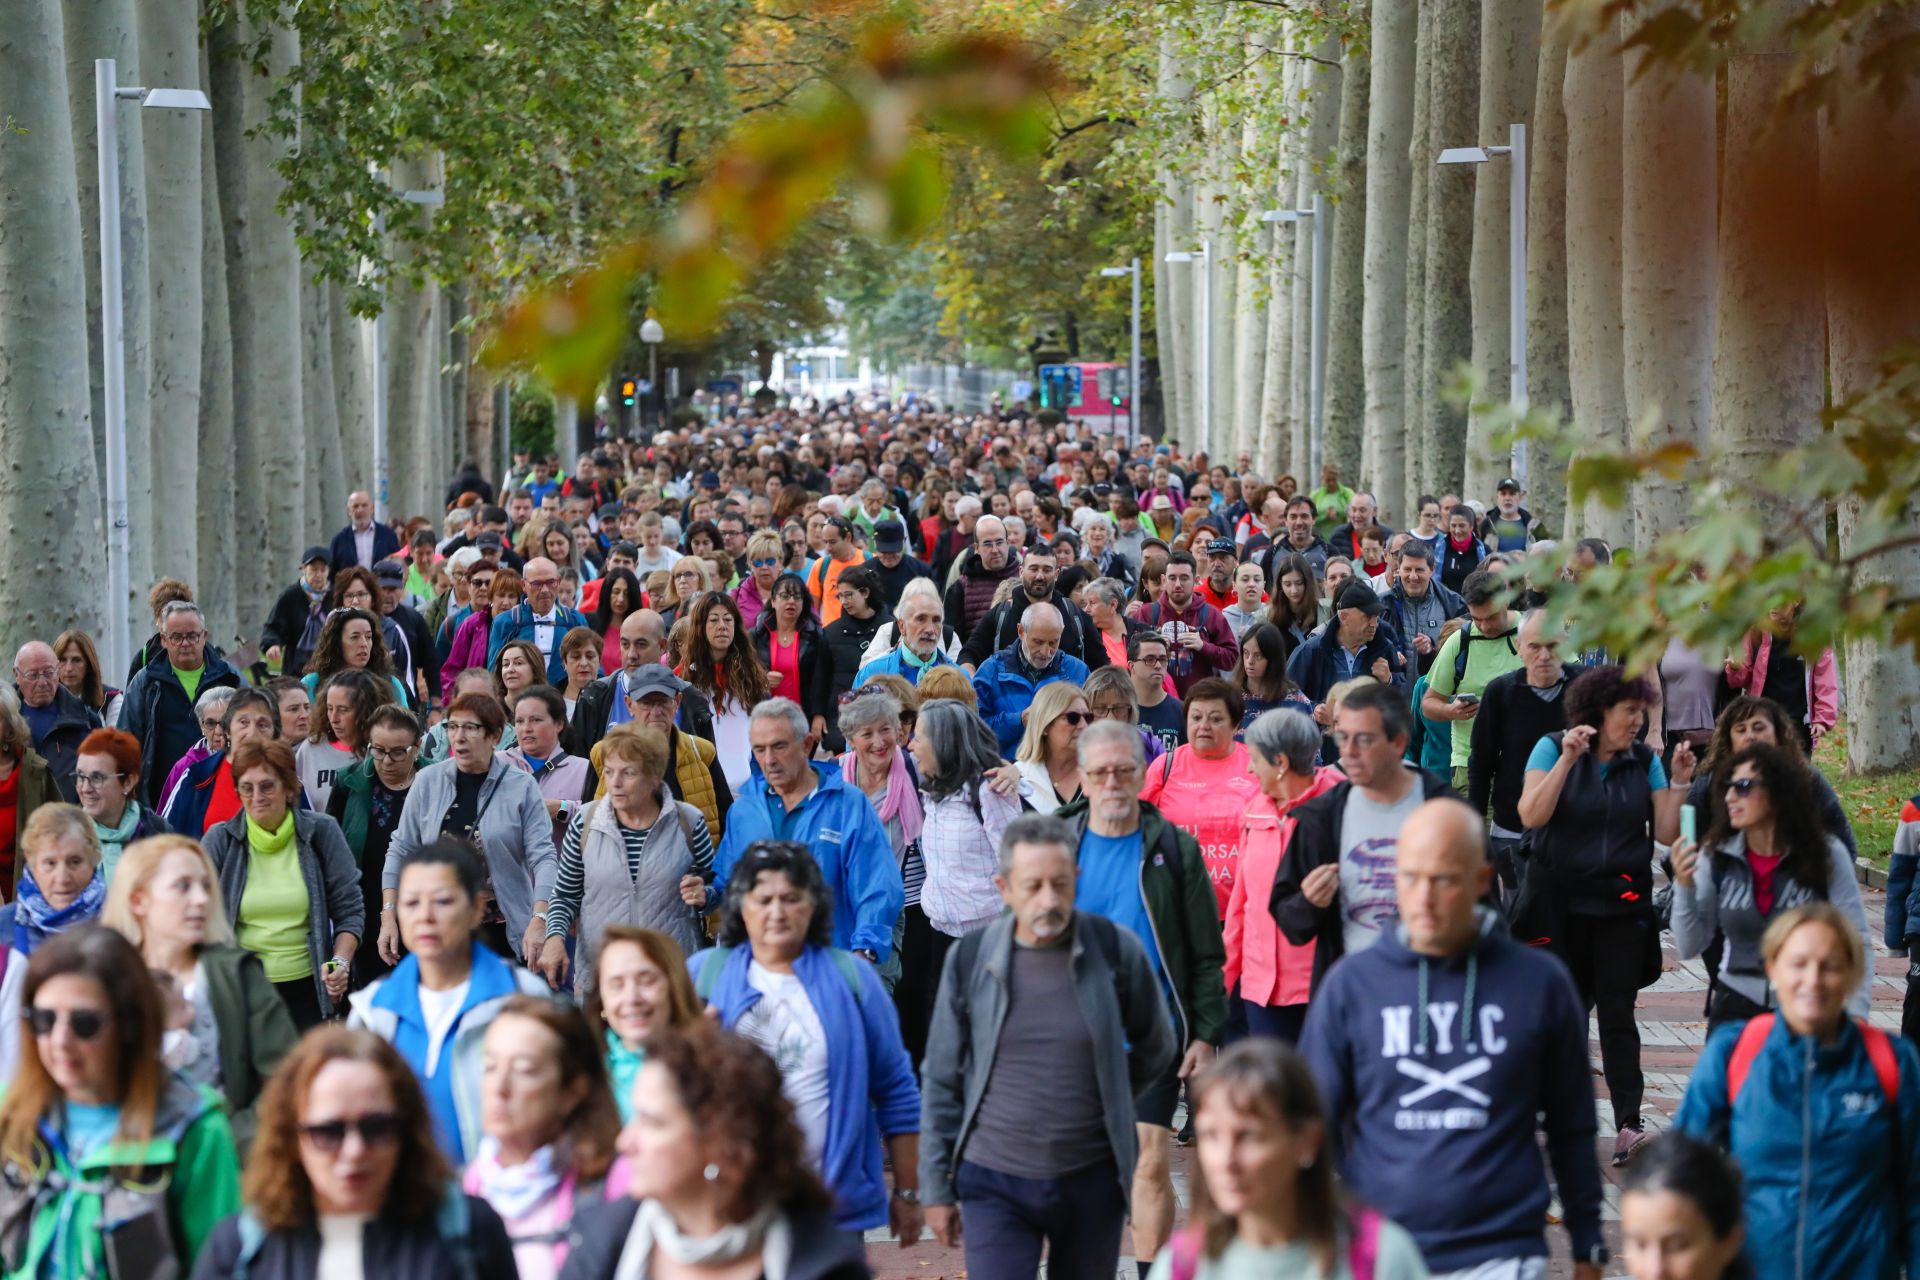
(1673, 1028)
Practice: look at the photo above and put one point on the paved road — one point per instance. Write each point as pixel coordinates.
(1673, 1028)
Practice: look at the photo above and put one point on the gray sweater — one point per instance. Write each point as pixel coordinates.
(514, 828)
(1120, 999)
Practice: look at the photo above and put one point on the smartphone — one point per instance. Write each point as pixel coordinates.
(1689, 817)
(1467, 699)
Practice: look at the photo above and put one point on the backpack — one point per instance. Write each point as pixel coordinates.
(452, 1222)
(1106, 940)
(844, 961)
(1754, 1035)
(1467, 636)
(1363, 1245)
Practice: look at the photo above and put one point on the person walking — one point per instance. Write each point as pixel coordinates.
(1517, 709)
(1011, 1162)
(159, 705)
(57, 721)
(1006, 683)
(1467, 663)
(1448, 1045)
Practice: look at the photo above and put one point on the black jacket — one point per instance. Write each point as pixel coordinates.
(158, 711)
(821, 1251)
(343, 555)
(1315, 843)
(594, 706)
(893, 582)
(956, 597)
(1340, 541)
(815, 694)
(391, 1251)
(1511, 720)
(999, 628)
(60, 747)
(419, 647)
(288, 623)
(847, 639)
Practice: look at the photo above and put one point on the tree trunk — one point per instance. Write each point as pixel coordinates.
(1420, 168)
(1667, 275)
(459, 378)
(52, 535)
(412, 357)
(1316, 175)
(1272, 452)
(109, 29)
(1250, 319)
(353, 393)
(1383, 336)
(1453, 114)
(1213, 225)
(263, 288)
(1509, 53)
(1346, 388)
(1172, 290)
(1870, 181)
(1768, 374)
(176, 174)
(319, 388)
(1594, 340)
(213, 519)
(1548, 387)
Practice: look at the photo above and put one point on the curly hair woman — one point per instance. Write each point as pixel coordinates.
(352, 638)
(719, 661)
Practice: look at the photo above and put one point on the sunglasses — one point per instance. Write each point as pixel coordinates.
(1077, 718)
(380, 1129)
(766, 563)
(84, 1023)
(1744, 786)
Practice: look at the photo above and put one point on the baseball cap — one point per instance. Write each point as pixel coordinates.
(889, 536)
(390, 572)
(1509, 483)
(1358, 595)
(709, 479)
(609, 512)
(1221, 547)
(315, 552)
(1161, 502)
(654, 677)
(489, 541)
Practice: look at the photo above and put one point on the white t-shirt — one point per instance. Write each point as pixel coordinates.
(1369, 843)
(785, 1025)
(661, 557)
(440, 1008)
(342, 1236)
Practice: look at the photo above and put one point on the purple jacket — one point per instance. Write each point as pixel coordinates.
(469, 649)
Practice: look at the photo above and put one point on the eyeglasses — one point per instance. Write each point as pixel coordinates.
(1114, 773)
(1358, 741)
(392, 755)
(212, 723)
(380, 1129)
(35, 677)
(542, 582)
(464, 727)
(84, 1023)
(1077, 718)
(95, 781)
(182, 637)
(985, 543)
(1744, 786)
(248, 790)
(1152, 660)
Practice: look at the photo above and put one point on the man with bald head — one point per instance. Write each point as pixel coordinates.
(977, 578)
(364, 541)
(541, 619)
(1006, 682)
(1440, 1050)
(57, 720)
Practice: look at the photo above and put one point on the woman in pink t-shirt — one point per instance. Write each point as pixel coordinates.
(1204, 786)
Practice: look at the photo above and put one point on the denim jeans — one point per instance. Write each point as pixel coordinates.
(1004, 1222)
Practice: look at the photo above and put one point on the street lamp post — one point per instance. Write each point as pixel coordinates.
(1316, 323)
(381, 462)
(1516, 151)
(1204, 257)
(1133, 360)
(107, 91)
(653, 335)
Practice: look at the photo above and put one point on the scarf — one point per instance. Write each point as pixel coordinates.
(913, 662)
(263, 841)
(767, 1231)
(902, 800)
(517, 1190)
(1460, 544)
(35, 919)
(623, 1065)
(116, 837)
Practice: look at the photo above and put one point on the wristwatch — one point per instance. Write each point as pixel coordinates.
(907, 1195)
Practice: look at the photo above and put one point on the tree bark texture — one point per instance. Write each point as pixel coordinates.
(353, 393)
(1272, 453)
(1172, 290)
(1453, 113)
(1421, 168)
(1389, 234)
(1548, 386)
(1346, 388)
(327, 490)
(214, 475)
(1322, 78)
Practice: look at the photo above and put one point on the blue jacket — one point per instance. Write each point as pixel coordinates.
(871, 1092)
(1813, 1122)
(187, 810)
(1004, 691)
(892, 664)
(1313, 668)
(518, 624)
(343, 556)
(855, 856)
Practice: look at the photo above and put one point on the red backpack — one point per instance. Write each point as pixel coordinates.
(1754, 1035)
(1363, 1245)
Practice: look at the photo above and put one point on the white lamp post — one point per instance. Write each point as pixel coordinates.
(1515, 150)
(432, 199)
(1203, 256)
(653, 335)
(1316, 323)
(1133, 361)
(113, 356)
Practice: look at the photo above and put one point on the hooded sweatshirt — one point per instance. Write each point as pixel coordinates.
(1433, 1071)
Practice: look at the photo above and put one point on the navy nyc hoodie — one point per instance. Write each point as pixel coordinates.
(1434, 1070)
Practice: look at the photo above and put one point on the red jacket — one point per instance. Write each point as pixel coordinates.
(1217, 653)
(1270, 970)
(1823, 686)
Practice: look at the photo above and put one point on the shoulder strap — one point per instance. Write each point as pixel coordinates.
(1745, 1050)
(680, 808)
(847, 963)
(453, 1222)
(1885, 1064)
(1168, 846)
(1166, 768)
(1460, 657)
(1363, 1246)
(709, 974)
(1186, 1250)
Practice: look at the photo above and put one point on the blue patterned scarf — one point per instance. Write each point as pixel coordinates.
(35, 919)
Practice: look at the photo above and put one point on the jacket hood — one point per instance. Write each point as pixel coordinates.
(972, 568)
(69, 711)
(1488, 932)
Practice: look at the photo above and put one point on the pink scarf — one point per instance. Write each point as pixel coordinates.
(902, 799)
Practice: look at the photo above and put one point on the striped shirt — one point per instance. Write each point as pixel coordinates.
(570, 882)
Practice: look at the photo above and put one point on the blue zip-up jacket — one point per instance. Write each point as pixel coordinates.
(1314, 669)
(518, 624)
(1833, 1171)
(871, 1092)
(892, 664)
(838, 825)
(1433, 1112)
(1004, 691)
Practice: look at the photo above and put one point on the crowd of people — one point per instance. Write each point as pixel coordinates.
(817, 820)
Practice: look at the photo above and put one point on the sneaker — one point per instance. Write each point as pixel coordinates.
(1627, 1144)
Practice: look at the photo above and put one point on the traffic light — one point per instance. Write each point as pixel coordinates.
(628, 388)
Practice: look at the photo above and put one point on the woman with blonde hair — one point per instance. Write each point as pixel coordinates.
(165, 900)
(948, 682)
(765, 556)
(1048, 756)
(640, 988)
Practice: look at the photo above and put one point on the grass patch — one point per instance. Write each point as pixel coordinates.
(1872, 803)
